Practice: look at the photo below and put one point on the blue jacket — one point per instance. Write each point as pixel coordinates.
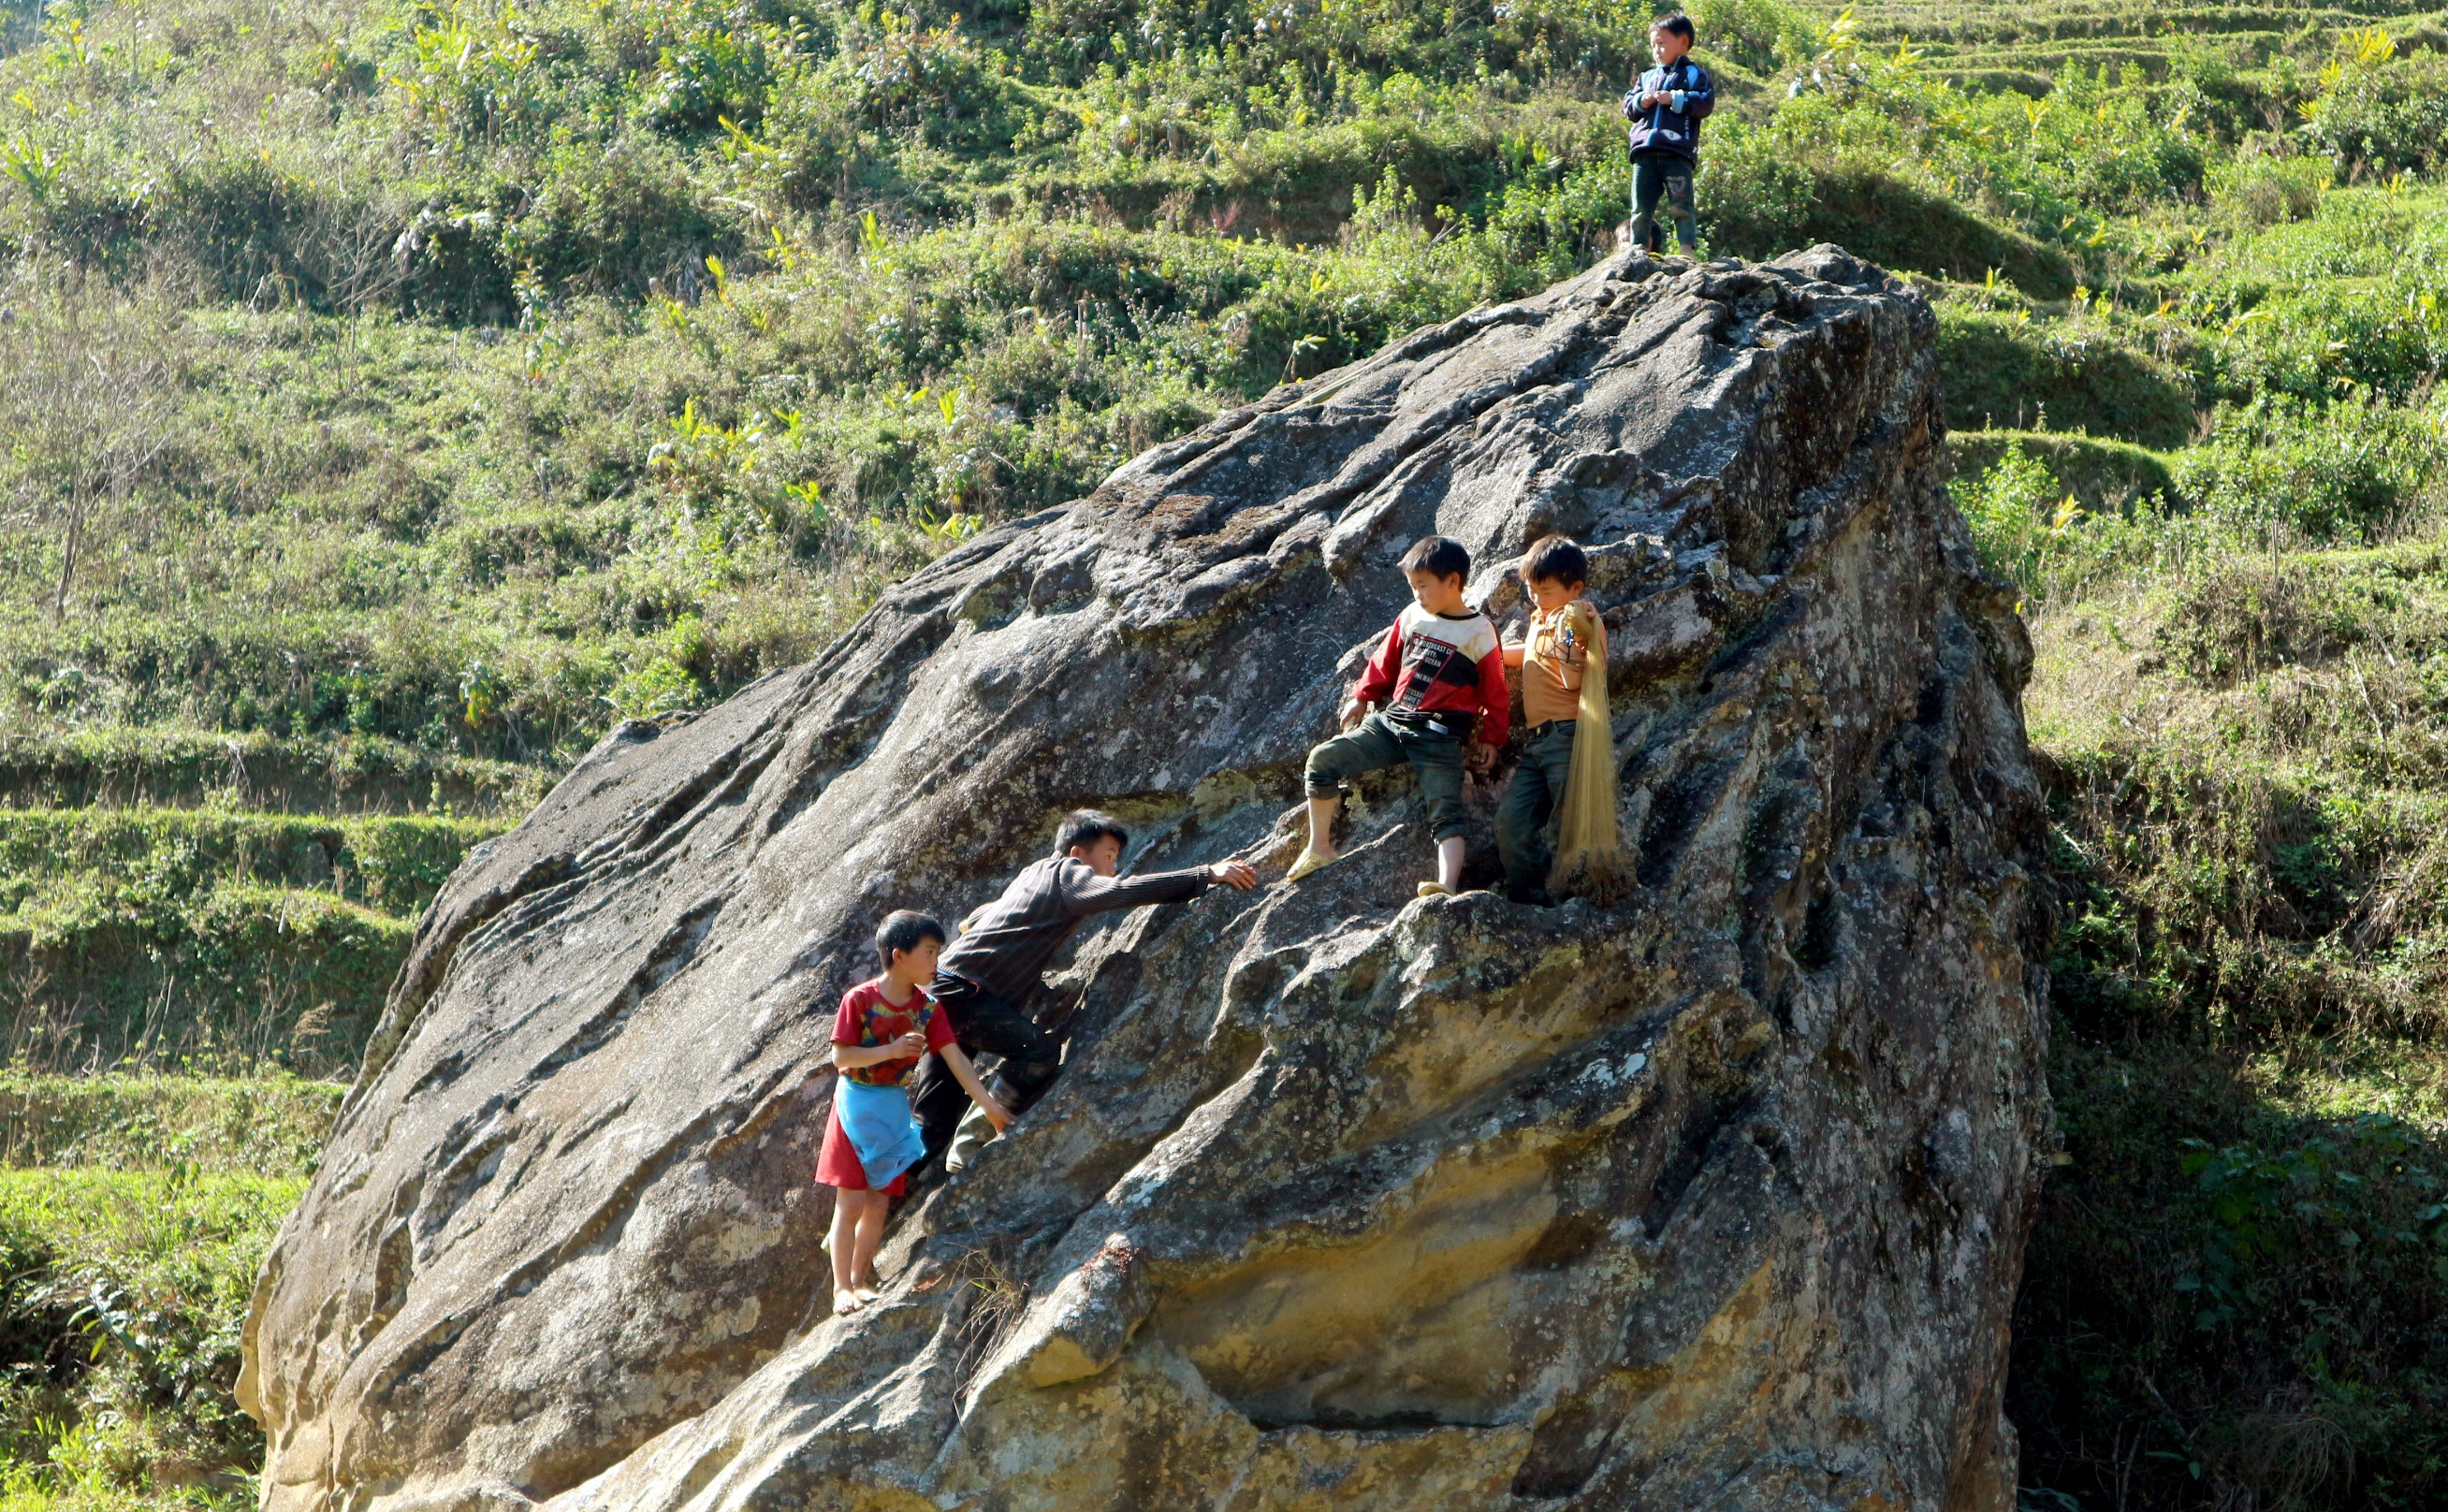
(1674, 126)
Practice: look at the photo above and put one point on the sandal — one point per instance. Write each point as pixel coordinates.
(1307, 862)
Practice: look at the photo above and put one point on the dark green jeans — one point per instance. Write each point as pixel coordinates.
(1378, 742)
(1528, 803)
(1662, 175)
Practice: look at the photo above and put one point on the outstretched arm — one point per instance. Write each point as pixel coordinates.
(967, 1075)
(1084, 893)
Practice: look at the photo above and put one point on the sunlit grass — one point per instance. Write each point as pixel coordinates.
(125, 1294)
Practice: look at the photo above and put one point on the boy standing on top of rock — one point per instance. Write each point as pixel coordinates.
(1554, 656)
(1664, 109)
(986, 978)
(870, 1139)
(1439, 672)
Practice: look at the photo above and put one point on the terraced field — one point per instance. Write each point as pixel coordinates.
(183, 900)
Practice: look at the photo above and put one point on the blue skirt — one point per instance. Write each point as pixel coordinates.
(880, 1127)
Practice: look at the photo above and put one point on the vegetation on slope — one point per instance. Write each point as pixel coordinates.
(2240, 1286)
(134, 1212)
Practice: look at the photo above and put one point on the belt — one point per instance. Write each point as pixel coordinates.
(1431, 726)
(1549, 726)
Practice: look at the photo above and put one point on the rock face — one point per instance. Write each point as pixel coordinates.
(1715, 1197)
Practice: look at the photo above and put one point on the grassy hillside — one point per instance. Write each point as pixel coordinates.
(402, 392)
(2240, 1284)
(133, 1213)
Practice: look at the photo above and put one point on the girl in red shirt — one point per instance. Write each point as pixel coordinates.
(870, 1139)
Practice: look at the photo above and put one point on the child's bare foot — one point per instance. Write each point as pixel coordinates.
(847, 1302)
(867, 1295)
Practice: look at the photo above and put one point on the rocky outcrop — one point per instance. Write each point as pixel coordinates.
(1712, 1198)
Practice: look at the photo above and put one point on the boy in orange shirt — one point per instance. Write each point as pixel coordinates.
(1553, 659)
(870, 1139)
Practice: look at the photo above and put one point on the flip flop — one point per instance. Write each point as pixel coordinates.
(1435, 890)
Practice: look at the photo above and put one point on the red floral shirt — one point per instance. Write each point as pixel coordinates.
(866, 1021)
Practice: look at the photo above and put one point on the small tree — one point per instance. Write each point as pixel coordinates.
(97, 368)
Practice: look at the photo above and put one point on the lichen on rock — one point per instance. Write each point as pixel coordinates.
(1711, 1197)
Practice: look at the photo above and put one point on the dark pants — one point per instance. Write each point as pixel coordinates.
(1032, 1058)
(1380, 741)
(1656, 175)
(1528, 803)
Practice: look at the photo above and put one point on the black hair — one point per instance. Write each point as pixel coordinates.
(1087, 827)
(1441, 555)
(1675, 24)
(903, 930)
(1555, 559)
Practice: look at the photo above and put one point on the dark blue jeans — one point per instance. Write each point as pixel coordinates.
(1528, 803)
(1656, 176)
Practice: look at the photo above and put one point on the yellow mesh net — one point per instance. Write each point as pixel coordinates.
(1589, 860)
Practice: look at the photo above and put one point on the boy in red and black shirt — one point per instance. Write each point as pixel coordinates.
(1440, 677)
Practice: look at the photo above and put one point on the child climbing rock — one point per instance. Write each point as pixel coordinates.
(991, 973)
(871, 1140)
(1664, 109)
(1440, 674)
(1569, 744)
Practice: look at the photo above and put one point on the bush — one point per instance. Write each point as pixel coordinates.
(2336, 472)
(125, 1298)
(265, 1124)
(2237, 1289)
(2261, 190)
(2378, 113)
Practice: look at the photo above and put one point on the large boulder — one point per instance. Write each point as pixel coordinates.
(1713, 1197)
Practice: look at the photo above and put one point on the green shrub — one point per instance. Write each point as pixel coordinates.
(2318, 341)
(267, 1124)
(2109, 477)
(2261, 190)
(2236, 1277)
(125, 1298)
(239, 974)
(2331, 471)
(2378, 113)
(392, 864)
(2235, 1289)
(156, 767)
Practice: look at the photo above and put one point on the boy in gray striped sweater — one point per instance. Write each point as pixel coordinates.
(987, 976)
